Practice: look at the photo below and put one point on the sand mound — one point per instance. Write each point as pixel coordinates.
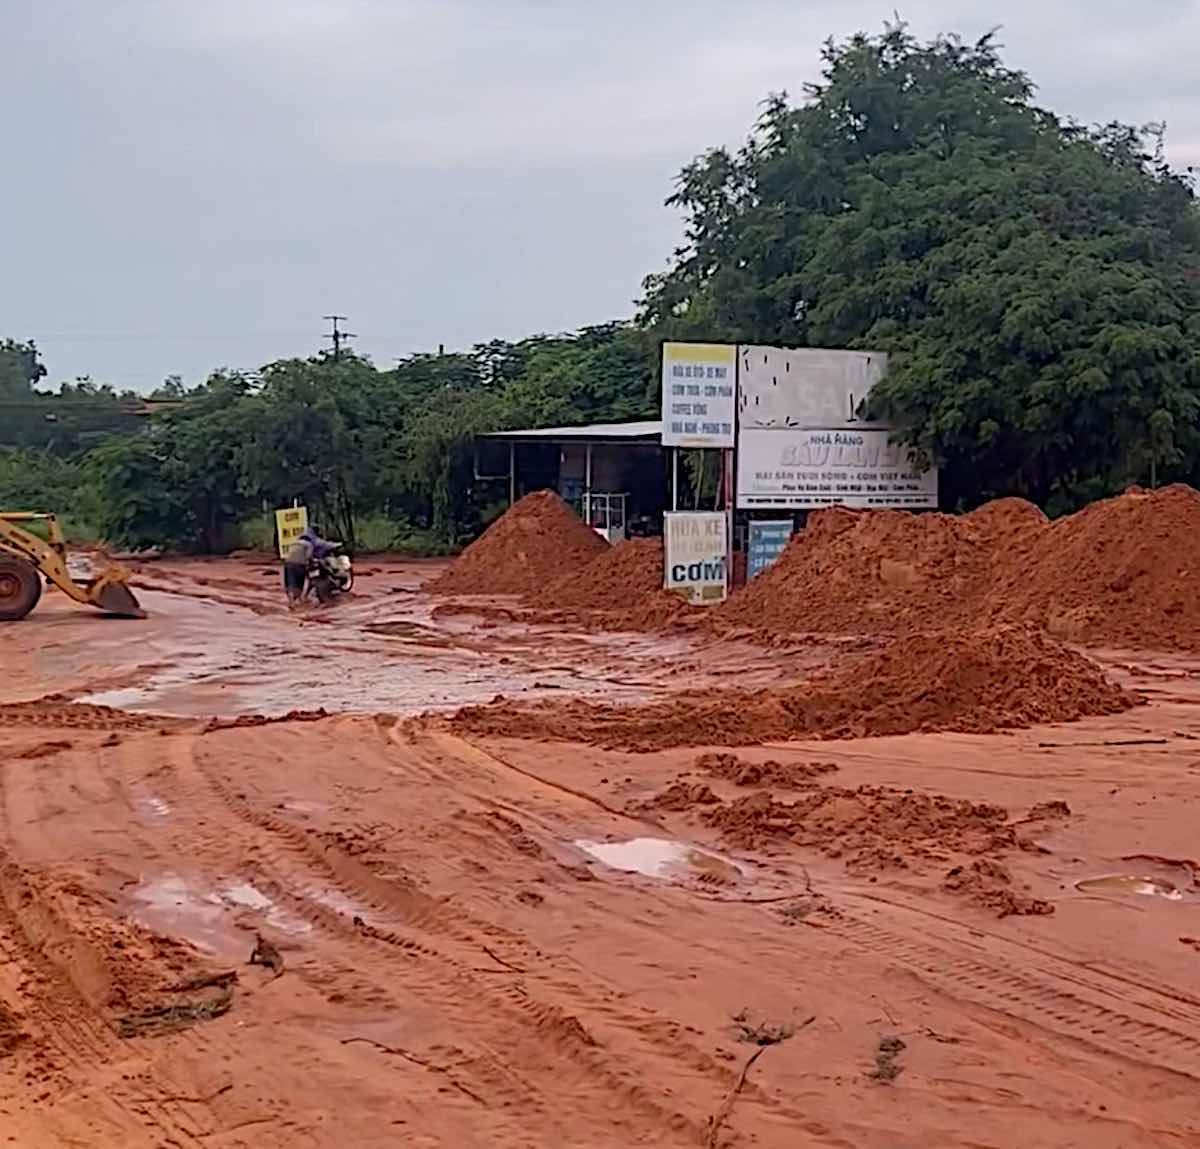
(980, 681)
(620, 589)
(989, 885)
(1119, 572)
(975, 682)
(856, 572)
(1122, 571)
(785, 775)
(870, 828)
(537, 540)
(868, 825)
(1005, 518)
(614, 579)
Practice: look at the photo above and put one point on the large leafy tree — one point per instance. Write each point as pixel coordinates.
(20, 368)
(1037, 281)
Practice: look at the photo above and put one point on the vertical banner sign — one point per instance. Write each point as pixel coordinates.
(699, 394)
(766, 542)
(290, 524)
(694, 551)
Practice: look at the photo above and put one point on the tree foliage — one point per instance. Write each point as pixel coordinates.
(78, 415)
(1036, 281)
(345, 439)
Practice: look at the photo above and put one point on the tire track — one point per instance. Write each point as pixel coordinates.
(547, 1033)
(1038, 996)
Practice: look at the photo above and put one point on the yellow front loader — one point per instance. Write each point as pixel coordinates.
(26, 558)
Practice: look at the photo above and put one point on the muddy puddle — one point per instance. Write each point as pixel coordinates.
(1132, 885)
(212, 920)
(663, 858)
(205, 658)
(153, 807)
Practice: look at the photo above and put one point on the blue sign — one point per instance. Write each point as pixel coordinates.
(766, 543)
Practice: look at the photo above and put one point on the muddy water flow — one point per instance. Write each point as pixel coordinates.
(204, 658)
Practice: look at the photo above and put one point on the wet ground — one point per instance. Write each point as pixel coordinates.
(497, 943)
(222, 644)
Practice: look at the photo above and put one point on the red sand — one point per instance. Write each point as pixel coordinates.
(871, 828)
(457, 971)
(978, 682)
(537, 540)
(620, 589)
(618, 576)
(1120, 572)
(855, 572)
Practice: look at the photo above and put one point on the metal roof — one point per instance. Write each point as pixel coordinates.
(647, 430)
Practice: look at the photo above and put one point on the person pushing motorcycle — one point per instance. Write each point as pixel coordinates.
(306, 550)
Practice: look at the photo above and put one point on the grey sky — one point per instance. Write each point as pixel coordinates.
(194, 183)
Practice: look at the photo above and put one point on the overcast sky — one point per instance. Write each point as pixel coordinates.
(195, 183)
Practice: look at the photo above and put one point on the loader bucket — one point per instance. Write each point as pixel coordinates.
(116, 598)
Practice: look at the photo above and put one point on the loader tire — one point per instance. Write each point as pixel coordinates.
(20, 588)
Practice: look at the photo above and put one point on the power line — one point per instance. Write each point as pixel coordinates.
(160, 336)
(337, 336)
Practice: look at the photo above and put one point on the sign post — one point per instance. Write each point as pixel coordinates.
(694, 555)
(290, 524)
(699, 394)
(765, 544)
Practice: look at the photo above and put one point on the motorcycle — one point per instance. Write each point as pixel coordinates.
(331, 575)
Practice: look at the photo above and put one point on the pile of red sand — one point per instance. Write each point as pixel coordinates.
(882, 572)
(616, 578)
(870, 827)
(1120, 572)
(620, 589)
(786, 775)
(868, 824)
(537, 540)
(989, 885)
(976, 682)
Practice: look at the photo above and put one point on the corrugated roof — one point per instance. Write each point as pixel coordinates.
(647, 429)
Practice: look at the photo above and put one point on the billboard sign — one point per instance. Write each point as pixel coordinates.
(699, 394)
(290, 524)
(694, 552)
(804, 469)
(765, 544)
(783, 388)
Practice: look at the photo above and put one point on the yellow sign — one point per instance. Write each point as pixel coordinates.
(290, 524)
(699, 394)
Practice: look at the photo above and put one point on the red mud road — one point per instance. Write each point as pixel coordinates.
(928, 940)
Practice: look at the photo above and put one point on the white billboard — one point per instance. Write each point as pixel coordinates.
(804, 469)
(699, 382)
(694, 551)
(782, 387)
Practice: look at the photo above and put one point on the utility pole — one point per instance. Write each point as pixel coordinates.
(337, 336)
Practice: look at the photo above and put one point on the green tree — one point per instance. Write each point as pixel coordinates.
(139, 486)
(199, 445)
(21, 368)
(1035, 281)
